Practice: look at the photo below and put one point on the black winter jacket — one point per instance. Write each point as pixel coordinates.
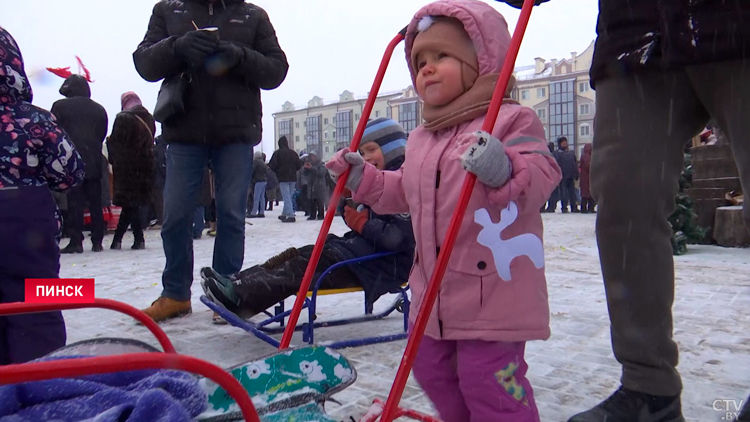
(222, 107)
(668, 34)
(285, 162)
(381, 233)
(568, 164)
(84, 120)
(131, 153)
(259, 171)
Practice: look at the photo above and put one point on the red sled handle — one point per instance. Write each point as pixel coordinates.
(397, 390)
(333, 203)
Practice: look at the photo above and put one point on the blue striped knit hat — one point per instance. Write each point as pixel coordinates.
(390, 136)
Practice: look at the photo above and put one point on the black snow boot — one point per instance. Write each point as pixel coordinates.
(72, 248)
(631, 406)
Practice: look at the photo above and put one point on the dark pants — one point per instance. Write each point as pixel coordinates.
(260, 288)
(28, 250)
(186, 164)
(88, 193)
(553, 199)
(133, 217)
(643, 124)
(317, 208)
(157, 203)
(587, 205)
(568, 194)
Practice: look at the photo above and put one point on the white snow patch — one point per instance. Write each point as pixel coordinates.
(344, 374)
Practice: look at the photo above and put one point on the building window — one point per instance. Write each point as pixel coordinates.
(541, 92)
(562, 119)
(377, 113)
(356, 117)
(344, 126)
(314, 126)
(325, 121)
(333, 136)
(296, 125)
(525, 94)
(542, 113)
(325, 135)
(407, 116)
(296, 138)
(389, 112)
(585, 130)
(334, 120)
(285, 128)
(326, 149)
(585, 109)
(583, 87)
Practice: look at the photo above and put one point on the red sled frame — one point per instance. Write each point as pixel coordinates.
(390, 410)
(170, 359)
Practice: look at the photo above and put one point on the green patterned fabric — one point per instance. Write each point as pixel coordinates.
(308, 413)
(290, 379)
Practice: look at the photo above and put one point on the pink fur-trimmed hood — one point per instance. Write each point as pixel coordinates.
(485, 25)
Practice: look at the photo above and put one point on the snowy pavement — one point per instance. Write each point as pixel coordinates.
(570, 372)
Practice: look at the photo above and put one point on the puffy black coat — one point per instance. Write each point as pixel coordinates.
(221, 108)
(668, 34)
(568, 164)
(381, 233)
(85, 122)
(285, 162)
(131, 153)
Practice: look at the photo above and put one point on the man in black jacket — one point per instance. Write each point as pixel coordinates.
(568, 163)
(661, 70)
(85, 121)
(285, 163)
(220, 124)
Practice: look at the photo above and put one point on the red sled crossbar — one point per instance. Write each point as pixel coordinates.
(391, 410)
(62, 368)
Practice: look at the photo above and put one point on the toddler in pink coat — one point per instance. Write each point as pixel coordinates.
(493, 297)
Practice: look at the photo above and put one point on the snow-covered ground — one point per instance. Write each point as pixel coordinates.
(572, 371)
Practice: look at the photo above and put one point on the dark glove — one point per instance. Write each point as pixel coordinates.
(519, 3)
(229, 54)
(355, 219)
(195, 46)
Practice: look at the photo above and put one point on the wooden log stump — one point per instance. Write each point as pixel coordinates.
(729, 228)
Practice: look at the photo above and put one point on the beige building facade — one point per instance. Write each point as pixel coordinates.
(326, 127)
(559, 92)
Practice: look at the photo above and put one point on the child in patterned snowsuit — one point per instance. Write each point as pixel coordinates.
(35, 156)
(493, 298)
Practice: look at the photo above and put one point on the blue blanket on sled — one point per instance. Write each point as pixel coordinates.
(133, 396)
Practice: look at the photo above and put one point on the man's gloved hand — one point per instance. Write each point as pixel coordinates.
(230, 54)
(519, 3)
(338, 164)
(355, 219)
(486, 158)
(195, 46)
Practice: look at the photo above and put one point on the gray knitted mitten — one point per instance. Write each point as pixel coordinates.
(487, 159)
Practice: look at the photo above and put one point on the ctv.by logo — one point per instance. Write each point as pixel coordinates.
(730, 409)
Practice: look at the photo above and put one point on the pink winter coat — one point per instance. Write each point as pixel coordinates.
(494, 288)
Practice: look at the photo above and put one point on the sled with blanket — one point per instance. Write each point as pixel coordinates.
(265, 328)
(110, 379)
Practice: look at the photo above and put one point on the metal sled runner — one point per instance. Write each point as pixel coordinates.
(263, 329)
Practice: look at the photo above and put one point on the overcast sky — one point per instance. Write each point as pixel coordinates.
(332, 45)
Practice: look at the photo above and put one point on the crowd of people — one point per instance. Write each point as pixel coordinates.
(654, 92)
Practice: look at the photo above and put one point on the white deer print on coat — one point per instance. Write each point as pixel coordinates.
(505, 251)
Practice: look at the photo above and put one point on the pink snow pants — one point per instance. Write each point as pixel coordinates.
(476, 381)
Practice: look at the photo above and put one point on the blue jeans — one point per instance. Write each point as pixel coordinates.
(198, 221)
(232, 168)
(259, 198)
(287, 188)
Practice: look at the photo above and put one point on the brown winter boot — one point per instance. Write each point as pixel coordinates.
(281, 258)
(165, 308)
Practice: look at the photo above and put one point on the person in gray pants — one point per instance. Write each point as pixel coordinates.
(661, 70)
